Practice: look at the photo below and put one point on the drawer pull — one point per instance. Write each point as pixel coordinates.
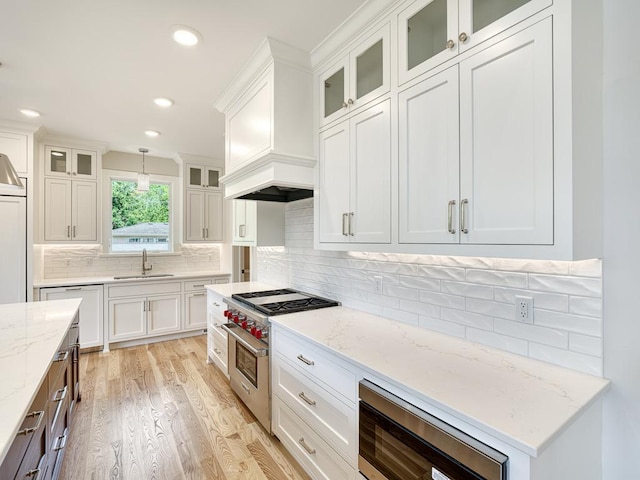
(61, 442)
(216, 304)
(305, 360)
(62, 356)
(62, 395)
(245, 388)
(36, 472)
(198, 286)
(310, 451)
(198, 294)
(218, 352)
(40, 415)
(73, 289)
(307, 399)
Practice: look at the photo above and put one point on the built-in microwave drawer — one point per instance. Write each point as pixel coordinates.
(318, 365)
(313, 453)
(329, 416)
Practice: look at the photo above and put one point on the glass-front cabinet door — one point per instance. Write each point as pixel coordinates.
(426, 36)
(482, 19)
(66, 162)
(430, 32)
(199, 176)
(357, 78)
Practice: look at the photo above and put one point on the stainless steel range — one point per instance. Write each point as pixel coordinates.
(248, 337)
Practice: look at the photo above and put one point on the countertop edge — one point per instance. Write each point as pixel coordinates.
(62, 282)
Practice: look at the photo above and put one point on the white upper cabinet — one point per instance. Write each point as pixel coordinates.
(357, 78)
(67, 162)
(202, 176)
(203, 216)
(431, 32)
(355, 178)
(476, 159)
(257, 223)
(70, 210)
(15, 145)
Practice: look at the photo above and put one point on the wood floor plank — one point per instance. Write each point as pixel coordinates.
(159, 411)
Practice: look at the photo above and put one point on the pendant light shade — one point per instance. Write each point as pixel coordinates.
(143, 178)
(8, 175)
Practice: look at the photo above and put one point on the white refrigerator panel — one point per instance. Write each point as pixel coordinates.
(13, 249)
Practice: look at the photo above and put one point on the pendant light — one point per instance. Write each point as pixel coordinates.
(8, 175)
(143, 178)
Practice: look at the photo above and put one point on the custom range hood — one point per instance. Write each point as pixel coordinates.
(268, 111)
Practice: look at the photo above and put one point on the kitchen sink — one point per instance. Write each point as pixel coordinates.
(151, 275)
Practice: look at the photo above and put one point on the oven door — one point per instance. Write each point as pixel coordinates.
(401, 442)
(249, 373)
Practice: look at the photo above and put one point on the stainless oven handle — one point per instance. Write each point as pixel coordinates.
(261, 352)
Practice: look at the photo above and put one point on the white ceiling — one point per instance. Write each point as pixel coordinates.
(93, 67)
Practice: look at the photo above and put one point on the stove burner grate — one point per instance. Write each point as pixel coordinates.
(293, 306)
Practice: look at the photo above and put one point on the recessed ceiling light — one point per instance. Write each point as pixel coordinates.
(186, 36)
(27, 112)
(152, 133)
(163, 102)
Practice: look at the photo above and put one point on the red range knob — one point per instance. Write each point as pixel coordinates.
(226, 313)
(236, 318)
(258, 333)
(244, 324)
(254, 330)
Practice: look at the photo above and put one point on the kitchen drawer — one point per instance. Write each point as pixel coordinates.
(221, 280)
(217, 351)
(317, 364)
(214, 301)
(313, 453)
(143, 289)
(196, 284)
(27, 435)
(59, 365)
(330, 417)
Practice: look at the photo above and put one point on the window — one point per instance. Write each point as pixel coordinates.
(140, 219)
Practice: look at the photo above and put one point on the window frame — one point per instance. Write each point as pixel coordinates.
(175, 218)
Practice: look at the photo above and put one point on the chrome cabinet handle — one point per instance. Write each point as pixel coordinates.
(36, 472)
(207, 230)
(68, 231)
(199, 294)
(307, 399)
(309, 450)
(61, 442)
(218, 352)
(73, 289)
(351, 224)
(350, 102)
(463, 217)
(26, 431)
(203, 233)
(345, 105)
(450, 228)
(463, 37)
(74, 231)
(450, 44)
(62, 356)
(60, 395)
(201, 286)
(305, 360)
(216, 304)
(344, 230)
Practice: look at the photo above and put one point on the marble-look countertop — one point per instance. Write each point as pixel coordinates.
(31, 335)
(64, 282)
(521, 401)
(228, 289)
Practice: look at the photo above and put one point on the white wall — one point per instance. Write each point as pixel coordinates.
(621, 443)
(470, 298)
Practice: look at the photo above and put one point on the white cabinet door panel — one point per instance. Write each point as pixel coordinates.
(13, 245)
(57, 209)
(429, 166)
(506, 145)
(127, 319)
(214, 217)
(195, 310)
(334, 183)
(16, 147)
(195, 216)
(163, 314)
(371, 175)
(83, 211)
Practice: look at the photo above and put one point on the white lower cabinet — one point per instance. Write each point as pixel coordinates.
(91, 318)
(217, 352)
(314, 406)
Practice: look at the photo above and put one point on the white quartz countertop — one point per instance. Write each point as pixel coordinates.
(63, 282)
(228, 289)
(31, 335)
(521, 401)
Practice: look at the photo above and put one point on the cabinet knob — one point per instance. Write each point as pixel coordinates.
(450, 44)
(463, 37)
(344, 105)
(350, 102)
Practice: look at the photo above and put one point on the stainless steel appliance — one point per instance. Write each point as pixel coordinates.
(248, 337)
(398, 441)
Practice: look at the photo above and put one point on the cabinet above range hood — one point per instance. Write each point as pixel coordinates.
(268, 111)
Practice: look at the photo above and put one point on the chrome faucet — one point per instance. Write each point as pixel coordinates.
(145, 264)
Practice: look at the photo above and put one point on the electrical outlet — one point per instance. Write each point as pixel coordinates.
(524, 309)
(378, 280)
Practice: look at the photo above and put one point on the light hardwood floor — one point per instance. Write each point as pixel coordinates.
(159, 411)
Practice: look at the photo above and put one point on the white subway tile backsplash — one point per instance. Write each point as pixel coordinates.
(466, 297)
(497, 278)
(566, 358)
(533, 333)
(510, 344)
